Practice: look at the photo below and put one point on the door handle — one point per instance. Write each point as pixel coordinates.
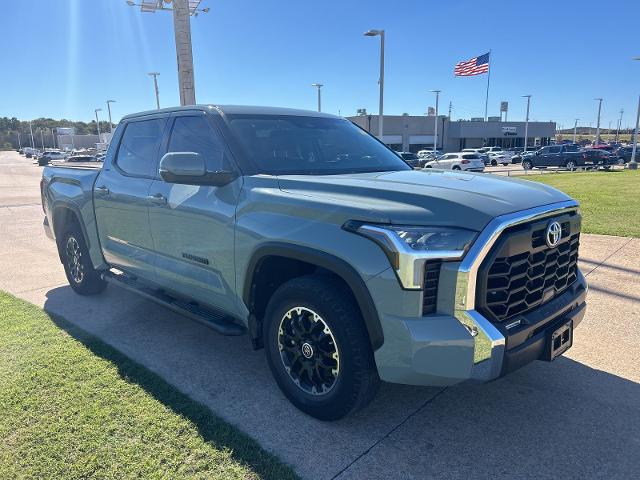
(157, 199)
(102, 190)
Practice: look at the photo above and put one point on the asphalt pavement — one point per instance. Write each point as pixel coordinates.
(574, 418)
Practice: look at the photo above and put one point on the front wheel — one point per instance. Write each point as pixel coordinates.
(527, 164)
(82, 277)
(318, 348)
(505, 164)
(456, 167)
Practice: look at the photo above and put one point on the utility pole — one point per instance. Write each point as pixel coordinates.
(318, 86)
(155, 84)
(109, 102)
(598, 124)
(53, 138)
(373, 33)
(31, 132)
(450, 105)
(575, 130)
(526, 122)
(19, 141)
(42, 138)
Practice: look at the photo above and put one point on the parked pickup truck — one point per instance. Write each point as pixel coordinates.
(311, 237)
(567, 156)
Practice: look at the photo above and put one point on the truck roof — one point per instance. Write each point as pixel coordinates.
(234, 110)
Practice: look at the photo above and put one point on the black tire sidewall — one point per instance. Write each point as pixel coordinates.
(340, 400)
(91, 282)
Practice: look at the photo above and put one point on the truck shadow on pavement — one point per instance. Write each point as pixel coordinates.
(563, 419)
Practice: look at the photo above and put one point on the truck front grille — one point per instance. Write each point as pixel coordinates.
(522, 272)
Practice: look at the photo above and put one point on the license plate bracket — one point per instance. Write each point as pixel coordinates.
(560, 340)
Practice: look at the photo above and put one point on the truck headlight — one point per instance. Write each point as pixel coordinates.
(409, 247)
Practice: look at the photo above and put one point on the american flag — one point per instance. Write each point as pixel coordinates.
(475, 66)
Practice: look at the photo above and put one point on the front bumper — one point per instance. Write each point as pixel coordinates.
(445, 349)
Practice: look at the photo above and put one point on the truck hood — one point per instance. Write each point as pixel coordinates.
(424, 197)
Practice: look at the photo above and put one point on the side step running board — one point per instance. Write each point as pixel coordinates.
(219, 322)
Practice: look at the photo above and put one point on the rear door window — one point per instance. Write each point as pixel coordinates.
(138, 152)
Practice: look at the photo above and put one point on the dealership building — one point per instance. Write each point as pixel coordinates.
(411, 133)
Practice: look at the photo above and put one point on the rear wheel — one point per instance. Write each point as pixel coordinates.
(456, 167)
(318, 349)
(82, 277)
(494, 163)
(570, 165)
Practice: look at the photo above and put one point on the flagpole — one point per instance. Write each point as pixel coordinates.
(486, 101)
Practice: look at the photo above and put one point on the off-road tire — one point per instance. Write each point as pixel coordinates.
(357, 381)
(89, 281)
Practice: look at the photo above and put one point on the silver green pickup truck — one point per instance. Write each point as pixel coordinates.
(308, 235)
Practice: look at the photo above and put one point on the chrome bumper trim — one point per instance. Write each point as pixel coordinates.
(489, 342)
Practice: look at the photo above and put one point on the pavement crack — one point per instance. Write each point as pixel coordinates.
(388, 434)
(608, 257)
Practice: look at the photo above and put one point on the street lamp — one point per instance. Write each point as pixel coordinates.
(182, 11)
(318, 86)
(526, 122)
(633, 164)
(98, 122)
(155, 84)
(598, 124)
(435, 129)
(575, 130)
(31, 132)
(619, 125)
(109, 102)
(373, 33)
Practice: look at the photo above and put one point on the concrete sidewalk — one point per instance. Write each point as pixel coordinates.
(574, 418)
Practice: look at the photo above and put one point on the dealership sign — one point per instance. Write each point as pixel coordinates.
(509, 131)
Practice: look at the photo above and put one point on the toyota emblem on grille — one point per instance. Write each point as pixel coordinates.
(553, 234)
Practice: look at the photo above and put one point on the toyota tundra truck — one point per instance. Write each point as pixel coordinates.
(308, 235)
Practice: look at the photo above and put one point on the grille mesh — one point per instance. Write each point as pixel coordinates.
(520, 282)
(430, 294)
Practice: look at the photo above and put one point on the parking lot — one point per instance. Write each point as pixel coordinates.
(583, 408)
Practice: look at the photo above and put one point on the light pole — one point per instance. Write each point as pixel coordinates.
(42, 138)
(435, 129)
(109, 102)
(53, 138)
(182, 11)
(98, 122)
(31, 132)
(19, 141)
(633, 164)
(318, 86)
(619, 125)
(373, 33)
(526, 122)
(155, 84)
(598, 124)
(575, 130)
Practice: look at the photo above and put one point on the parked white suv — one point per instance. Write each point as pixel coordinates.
(499, 157)
(471, 162)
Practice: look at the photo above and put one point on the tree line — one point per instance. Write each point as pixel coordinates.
(11, 127)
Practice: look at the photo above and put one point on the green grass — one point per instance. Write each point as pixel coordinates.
(609, 201)
(72, 407)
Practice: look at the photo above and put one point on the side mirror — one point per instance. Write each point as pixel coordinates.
(189, 168)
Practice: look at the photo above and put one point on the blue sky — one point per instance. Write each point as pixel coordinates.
(70, 56)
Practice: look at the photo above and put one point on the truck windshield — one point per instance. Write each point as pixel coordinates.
(300, 145)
